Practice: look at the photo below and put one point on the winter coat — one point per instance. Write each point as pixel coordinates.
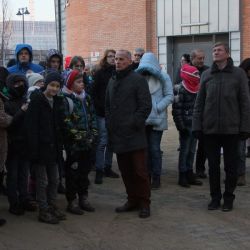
(5, 121)
(44, 128)
(80, 125)
(101, 80)
(128, 105)
(183, 106)
(161, 90)
(22, 69)
(223, 102)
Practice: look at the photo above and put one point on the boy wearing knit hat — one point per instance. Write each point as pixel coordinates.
(35, 81)
(80, 133)
(44, 137)
(185, 96)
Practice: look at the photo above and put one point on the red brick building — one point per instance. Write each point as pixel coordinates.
(95, 25)
(245, 28)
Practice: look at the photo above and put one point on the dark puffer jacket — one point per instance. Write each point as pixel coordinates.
(128, 105)
(44, 129)
(183, 107)
(223, 102)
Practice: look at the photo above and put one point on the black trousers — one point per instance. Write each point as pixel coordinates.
(213, 145)
(200, 156)
(77, 168)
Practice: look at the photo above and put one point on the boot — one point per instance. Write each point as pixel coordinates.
(56, 212)
(191, 178)
(2, 222)
(84, 204)
(241, 180)
(98, 177)
(183, 180)
(156, 183)
(74, 208)
(109, 172)
(46, 216)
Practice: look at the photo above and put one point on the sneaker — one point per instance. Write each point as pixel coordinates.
(74, 208)
(46, 216)
(227, 206)
(85, 205)
(108, 172)
(144, 213)
(57, 212)
(213, 205)
(127, 207)
(16, 209)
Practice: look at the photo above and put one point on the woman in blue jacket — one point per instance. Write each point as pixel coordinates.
(161, 91)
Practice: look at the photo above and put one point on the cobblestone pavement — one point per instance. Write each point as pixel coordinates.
(179, 221)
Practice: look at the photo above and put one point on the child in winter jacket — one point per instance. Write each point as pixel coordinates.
(80, 132)
(185, 95)
(44, 123)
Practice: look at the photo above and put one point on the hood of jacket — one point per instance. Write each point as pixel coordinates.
(21, 46)
(149, 64)
(51, 53)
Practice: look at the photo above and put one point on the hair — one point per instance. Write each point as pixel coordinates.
(245, 64)
(194, 53)
(225, 45)
(140, 50)
(74, 61)
(103, 61)
(186, 57)
(128, 53)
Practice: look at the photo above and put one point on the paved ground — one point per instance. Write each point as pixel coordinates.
(179, 221)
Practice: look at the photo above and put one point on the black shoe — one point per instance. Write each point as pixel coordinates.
(126, 208)
(192, 180)
(156, 183)
(108, 172)
(61, 189)
(227, 206)
(201, 175)
(74, 208)
(85, 205)
(183, 180)
(98, 177)
(16, 210)
(213, 205)
(2, 222)
(144, 213)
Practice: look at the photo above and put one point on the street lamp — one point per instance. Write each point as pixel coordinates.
(22, 12)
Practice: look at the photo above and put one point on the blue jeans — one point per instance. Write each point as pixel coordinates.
(104, 155)
(187, 151)
(154, 152)
(242, 158)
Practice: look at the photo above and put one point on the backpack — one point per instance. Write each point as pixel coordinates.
(70, 105)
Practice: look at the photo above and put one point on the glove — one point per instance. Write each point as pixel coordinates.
(197, 134)
(244, 135)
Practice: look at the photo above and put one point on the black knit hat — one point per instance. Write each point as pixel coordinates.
(13, 78)
(53, 76)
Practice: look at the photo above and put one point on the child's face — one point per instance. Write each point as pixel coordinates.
(53, 88)
(78, 86)
(40, 83)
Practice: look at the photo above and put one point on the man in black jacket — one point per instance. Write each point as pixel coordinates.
(128, 104)
(222, 114)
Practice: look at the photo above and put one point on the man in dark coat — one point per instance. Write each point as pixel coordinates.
(128, 104)
(222, 114)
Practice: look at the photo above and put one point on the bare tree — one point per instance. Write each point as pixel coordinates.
(5, 30)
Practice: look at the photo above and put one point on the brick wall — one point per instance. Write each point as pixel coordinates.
(95, 25)
(245, 31)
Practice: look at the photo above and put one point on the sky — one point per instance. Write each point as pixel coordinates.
(44, 10)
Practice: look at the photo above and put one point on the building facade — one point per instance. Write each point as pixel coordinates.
(95, 25)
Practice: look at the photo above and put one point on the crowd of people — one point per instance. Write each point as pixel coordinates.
(60, 122)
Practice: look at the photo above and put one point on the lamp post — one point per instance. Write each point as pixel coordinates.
(22, 12)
